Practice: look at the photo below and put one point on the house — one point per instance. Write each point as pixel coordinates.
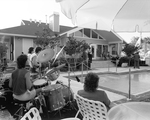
(20, 38)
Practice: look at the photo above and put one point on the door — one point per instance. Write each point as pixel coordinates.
(99, 51)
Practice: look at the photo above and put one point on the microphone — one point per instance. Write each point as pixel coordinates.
(77, 78)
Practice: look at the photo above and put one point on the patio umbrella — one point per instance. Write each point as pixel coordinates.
(95, 14)
(119, 15)
(134, 16)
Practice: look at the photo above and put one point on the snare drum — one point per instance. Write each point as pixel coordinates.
(39, 83)
(52, 76)
(53, 97)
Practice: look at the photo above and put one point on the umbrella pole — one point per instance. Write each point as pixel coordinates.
(82, 71)
(129, 83)
(116, 64)
(108, 67)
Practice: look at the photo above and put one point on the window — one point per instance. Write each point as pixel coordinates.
(100, 37)
(87, 32)
(94, 35)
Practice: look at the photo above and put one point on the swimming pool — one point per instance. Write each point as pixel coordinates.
(119, 83)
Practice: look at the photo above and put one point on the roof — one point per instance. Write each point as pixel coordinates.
(64, 29)
(28, 28)
(109, 35)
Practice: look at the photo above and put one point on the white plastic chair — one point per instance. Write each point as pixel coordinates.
(91, 110)
(32, 114)
(70, 119)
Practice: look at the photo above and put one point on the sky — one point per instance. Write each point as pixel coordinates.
(13, 11)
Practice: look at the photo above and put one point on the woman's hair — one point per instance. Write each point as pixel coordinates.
(21, 61)
(91, 82)
(31, 49)
(38, 49)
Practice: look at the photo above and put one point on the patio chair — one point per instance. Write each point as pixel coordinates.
(91, 110)
(32, 114)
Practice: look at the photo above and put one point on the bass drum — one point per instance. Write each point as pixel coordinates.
(68, 94)
(53, 97)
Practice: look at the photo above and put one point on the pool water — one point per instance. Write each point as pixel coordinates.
(140, 82)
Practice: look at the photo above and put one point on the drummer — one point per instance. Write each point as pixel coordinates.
(33, 59)
(20, 81)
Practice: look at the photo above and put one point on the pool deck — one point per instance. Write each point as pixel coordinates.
(75, 86)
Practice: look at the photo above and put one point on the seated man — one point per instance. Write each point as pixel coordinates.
(90, 90)
(20, 81)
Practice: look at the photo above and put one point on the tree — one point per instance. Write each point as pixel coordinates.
(47, 38)
(74, 46)
(147, 39)
(130, 49)
(3, 50)
(134, 40)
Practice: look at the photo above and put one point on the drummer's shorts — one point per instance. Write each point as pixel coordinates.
(28, 95)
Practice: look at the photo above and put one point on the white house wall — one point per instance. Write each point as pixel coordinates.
(26, 44)
(17, 47)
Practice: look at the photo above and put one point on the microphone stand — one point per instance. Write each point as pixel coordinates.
(69, 90)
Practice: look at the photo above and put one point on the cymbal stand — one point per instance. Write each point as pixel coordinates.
(69, 91)
(40, 72)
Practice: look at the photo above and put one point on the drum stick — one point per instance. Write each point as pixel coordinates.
(58, 54)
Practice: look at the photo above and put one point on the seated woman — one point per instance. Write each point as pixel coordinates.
(90, 90)
(20, 81)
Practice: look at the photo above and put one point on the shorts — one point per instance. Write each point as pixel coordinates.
(28, 95)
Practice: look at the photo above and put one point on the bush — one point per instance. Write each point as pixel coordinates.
(131, 60)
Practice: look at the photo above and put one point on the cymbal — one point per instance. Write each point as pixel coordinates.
(45, 55)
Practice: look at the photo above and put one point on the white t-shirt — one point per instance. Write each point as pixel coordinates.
(29, 55)
(30, 58)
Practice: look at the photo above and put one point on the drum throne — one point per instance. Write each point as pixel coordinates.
(22, 107)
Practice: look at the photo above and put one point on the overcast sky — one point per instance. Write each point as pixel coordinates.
(13, 11)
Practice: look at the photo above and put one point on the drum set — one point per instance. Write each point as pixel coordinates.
(56, 96)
